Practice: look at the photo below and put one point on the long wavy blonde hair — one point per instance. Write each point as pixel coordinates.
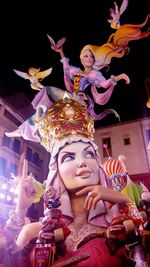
(117, 44)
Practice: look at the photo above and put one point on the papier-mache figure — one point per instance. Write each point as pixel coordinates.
(34, 75)
(136, 216)
(93, 59)
(50, 243)
(78, 221)
(77, 79)
(115, 14)
(81, 220)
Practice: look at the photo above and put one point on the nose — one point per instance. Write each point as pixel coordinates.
(81, 162)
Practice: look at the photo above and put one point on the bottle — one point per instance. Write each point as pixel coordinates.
(43, 254)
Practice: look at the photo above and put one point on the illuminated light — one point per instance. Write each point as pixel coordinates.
(15, 200)
(147, 85)
(9, 198)
(148, 103)
(12, 190)
(4, 186)
(2, 195)
(16, 191)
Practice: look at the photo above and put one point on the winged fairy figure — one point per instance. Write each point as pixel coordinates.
(34, 75)
(115, 14)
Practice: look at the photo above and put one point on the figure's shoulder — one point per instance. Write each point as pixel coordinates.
(95, 74)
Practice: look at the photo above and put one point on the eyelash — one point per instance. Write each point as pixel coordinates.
(91, 154)
(72, 157)
(67, 156)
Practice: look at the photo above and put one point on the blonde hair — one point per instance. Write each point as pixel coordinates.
(102, 54)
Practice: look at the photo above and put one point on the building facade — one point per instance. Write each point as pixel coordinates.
(11, 150)
(130, 139)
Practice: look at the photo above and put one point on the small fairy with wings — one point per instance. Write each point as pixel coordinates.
(34, 75)
(115, 14)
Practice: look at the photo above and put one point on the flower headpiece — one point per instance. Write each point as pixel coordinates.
(65, 118)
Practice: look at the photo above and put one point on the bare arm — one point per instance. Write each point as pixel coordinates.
(122, 76)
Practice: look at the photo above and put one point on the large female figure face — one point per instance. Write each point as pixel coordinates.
(77, 166)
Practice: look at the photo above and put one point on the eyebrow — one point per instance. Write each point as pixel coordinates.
(74, 152)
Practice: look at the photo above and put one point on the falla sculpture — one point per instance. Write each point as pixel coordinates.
(86, 222)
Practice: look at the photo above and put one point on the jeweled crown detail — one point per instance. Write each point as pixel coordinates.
(65, 118)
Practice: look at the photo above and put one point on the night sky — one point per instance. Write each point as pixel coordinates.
(24, 44)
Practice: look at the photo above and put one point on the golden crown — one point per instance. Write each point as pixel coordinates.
(65, 118)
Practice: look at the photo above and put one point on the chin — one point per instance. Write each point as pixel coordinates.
(88, 183)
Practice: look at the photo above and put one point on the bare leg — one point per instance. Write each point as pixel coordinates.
(15, 133)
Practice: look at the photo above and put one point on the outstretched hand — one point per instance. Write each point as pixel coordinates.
(124, 77)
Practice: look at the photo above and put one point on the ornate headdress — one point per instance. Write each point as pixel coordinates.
(65, 118)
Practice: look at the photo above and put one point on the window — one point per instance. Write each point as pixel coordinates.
(148, 136)
(13, 168)
(9, 116)
(2, 166)
(126, 141)
(6, 141)
(29, 154)
(36, 159)
(107, 150)
(41, 163)
(17, 146)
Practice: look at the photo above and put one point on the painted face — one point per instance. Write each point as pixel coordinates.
(78, 166)
(87, 59)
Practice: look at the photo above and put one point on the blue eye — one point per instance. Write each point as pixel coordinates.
(90, 155)
(67, 158)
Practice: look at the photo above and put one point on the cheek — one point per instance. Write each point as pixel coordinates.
(67, 175)
(66, 170)
(83, 60)
(95, 168)
(93, 165)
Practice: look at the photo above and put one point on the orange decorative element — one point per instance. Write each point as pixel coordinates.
(65, 118)
(112, 167)
(76, 83)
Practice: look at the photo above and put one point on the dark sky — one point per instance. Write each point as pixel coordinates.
(24, 44)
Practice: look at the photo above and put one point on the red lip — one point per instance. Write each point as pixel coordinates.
(84, 173)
